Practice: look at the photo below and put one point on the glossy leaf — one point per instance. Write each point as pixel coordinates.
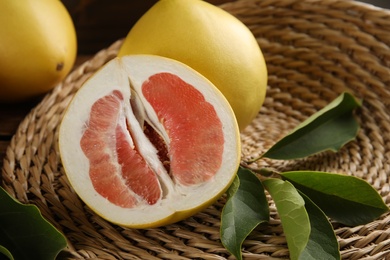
(328, 129)
(346, 199)
(322, 242)
(5, 254)
(25, 233)
(245, 209)
(293, 215)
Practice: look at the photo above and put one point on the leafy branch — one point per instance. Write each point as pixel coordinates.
(25, 233)
(305, 200)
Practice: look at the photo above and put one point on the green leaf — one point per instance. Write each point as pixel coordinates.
(25, 233)
(5, 254)
(245, 209)
(328, 129)
(293, 215)
(346, 199)
(322, 241)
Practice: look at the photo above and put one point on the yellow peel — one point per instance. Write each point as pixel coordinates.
(38, 47)
(211, 41)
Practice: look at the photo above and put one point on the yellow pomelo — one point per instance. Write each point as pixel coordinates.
(211, 41)
(37, 47)
(148, 141)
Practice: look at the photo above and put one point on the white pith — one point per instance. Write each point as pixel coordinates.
(119, 74)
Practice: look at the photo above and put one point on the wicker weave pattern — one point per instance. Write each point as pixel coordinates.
(314, 51)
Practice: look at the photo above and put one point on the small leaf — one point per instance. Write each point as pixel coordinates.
(293, 215)
(25, 233)
(322, 243)
(5, 254)
(245, 209)
(346, 199)
(328, 129)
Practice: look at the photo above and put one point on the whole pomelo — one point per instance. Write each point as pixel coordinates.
(211, 41)
(37, 47)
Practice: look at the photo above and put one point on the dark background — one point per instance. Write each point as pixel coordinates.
(100, 23)
(380, 3)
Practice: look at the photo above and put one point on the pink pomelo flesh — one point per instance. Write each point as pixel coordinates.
(117, 169)
(103, 133)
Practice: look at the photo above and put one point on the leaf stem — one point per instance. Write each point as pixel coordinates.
(262, 173)
(252, 160)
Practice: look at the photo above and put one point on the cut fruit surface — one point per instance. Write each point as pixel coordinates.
(148, 141)
(194, 128)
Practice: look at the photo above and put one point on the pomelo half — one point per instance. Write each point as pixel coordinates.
(148, 141)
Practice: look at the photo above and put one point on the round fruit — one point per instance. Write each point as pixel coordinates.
(211, 41)
(148, 141)
(37, 47)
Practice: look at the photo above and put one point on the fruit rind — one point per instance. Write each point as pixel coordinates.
(116, 75)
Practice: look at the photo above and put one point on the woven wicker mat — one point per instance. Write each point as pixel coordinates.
(314, 51)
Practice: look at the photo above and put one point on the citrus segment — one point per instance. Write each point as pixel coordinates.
(138, 176)
(185, 113)
(148, 141)
(116, 179)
